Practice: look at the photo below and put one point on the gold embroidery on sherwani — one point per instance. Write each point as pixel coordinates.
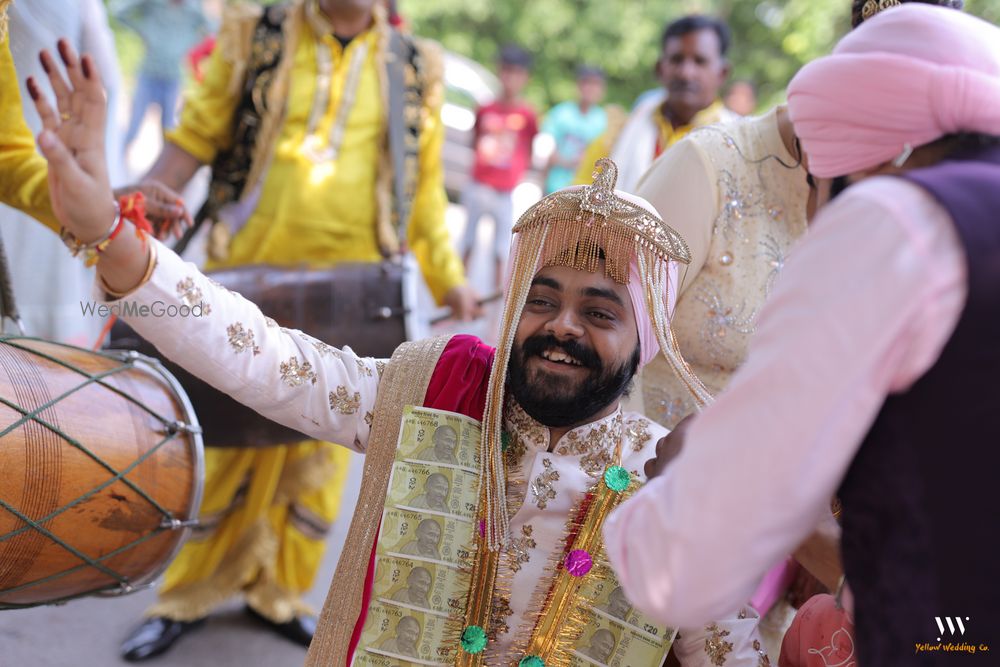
(499, 613)
(530, 433)
(363, 368)
(518, 549)
(242, 339)
(344, 403)
(716, 647)
(595, 444)
(294, 374)
(762, 659)
(271, 324)
(566, 599)
(379, 367)
(369, 418)
(541, 486)
(637, 433)
(323, 348)
(190, 295)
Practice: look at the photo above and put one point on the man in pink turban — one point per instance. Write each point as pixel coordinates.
(873, 372)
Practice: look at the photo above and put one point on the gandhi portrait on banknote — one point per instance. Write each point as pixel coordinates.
(435, 495)
(618, 605)
(602, 646)
(427, 541)
(443, 445)
(406, 638)
(418, 585)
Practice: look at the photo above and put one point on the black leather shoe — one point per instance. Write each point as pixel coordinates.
(299, 630)
(155, 636)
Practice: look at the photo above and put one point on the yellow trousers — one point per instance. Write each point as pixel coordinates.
(264, 519)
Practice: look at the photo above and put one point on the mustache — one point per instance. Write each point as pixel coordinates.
(684, 86)
(535, 345)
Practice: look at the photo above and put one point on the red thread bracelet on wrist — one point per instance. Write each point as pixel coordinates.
(133, 208)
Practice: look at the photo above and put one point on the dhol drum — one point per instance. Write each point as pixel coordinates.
(364, 306)
(102, 471)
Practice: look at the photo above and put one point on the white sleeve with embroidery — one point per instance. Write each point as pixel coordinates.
(225, 340)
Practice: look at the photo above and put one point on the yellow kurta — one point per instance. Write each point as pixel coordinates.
(323, 213)
(23, 172)
(266, 511)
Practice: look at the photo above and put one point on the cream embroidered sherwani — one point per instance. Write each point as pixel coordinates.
(330, 394)
(729, 191)
(738, 198)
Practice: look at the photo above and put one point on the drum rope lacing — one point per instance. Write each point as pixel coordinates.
(173, 429)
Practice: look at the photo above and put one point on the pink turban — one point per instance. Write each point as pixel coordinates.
(907, 76)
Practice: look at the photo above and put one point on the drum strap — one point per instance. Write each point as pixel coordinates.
(405, 99)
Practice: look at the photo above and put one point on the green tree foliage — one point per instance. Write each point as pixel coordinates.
(772, 39)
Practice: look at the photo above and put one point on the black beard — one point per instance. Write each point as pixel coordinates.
(556, 407)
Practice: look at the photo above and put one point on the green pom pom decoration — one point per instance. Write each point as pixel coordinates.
(617, 478)
(531, 661)
(473, 639)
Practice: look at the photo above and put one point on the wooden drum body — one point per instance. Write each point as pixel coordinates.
(101, 471)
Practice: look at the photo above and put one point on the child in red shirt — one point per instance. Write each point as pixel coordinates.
(502, 140)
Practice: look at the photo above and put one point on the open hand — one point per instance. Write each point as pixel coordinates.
(73, 143)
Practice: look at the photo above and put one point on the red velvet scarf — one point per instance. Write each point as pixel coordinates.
(458, 384)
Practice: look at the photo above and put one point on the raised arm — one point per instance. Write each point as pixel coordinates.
(214, 333)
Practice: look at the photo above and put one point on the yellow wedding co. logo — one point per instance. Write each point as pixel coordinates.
(950, 628)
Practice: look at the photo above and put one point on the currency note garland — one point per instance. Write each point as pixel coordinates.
(566, 602)
(425, 552)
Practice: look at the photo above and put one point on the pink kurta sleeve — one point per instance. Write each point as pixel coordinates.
(864, 306)
(225, 340)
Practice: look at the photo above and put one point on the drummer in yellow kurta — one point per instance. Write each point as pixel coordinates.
(316, 188)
